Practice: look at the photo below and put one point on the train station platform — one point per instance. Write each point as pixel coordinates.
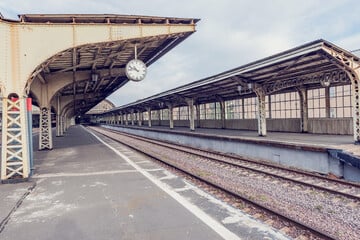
(322, 153)
(89, 187)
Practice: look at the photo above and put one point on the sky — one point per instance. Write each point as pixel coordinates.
(231, 33)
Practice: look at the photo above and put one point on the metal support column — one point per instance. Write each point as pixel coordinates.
(352, 67)
(140, 118)
(159, 116)
(45, 134)
(222, 109)
(62, 123)
(58, 118)
(260, 93)
(198, 115)
(121, 119)
(14, 149)
(132, 118)
(269, 107)
(355, 78)
(58, 124)
(29, 134)
(149, 116)
(327, 102)
(190, 103)
(304, 118)
(171, 115)
(243, 108)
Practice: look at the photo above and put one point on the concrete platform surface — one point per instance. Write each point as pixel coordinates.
(89, 187)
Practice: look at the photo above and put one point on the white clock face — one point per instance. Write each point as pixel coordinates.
(135, 70)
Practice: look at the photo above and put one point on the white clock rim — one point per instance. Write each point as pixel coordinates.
(142, 77)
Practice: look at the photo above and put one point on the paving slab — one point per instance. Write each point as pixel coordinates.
(11, 196)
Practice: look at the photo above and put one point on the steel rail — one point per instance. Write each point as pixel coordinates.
(284, 217)
(276, 167)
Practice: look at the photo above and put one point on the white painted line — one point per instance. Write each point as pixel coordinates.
(146, 161)
(187, 188)
(53, 175)
(205, 218)
(153, 169)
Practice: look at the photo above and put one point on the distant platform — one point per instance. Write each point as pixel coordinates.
(321, 153)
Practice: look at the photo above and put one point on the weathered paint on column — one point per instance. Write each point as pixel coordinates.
(304, 118)
(149, 116)
(352, 67)
(140, 118)
(327, 102)
(159, 116)
(45, 134)
(58, 125)
(58, 118)
(190, 103)
(260, 93)
(355, 77)
(14, 150)
(121, 118)
(269, 106)
(132, 118)
(198, 115)
(222, 109)
(64, 118)
(243, 108)
(171, 116)
(126, 119)
(62, 123)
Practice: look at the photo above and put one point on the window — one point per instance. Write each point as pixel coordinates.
(145, 116)
(165, 114)
(202, 111)
(176, 113)
(184, 113)
(217, 110)
(340, 101)
(250, 108)
(285, 105)
(210, 110)
(233, 109)
(155, 115)
(316, 103)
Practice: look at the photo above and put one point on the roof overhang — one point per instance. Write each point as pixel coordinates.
(103, 18)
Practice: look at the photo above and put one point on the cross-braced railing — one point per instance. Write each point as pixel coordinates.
(15, 157)
(45, 141)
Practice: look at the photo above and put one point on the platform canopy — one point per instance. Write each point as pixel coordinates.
(68, 63)
(97, 70)
(312, 65)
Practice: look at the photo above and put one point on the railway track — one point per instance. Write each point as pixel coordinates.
(261, 170)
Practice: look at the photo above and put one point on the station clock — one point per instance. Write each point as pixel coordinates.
(135, 70)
